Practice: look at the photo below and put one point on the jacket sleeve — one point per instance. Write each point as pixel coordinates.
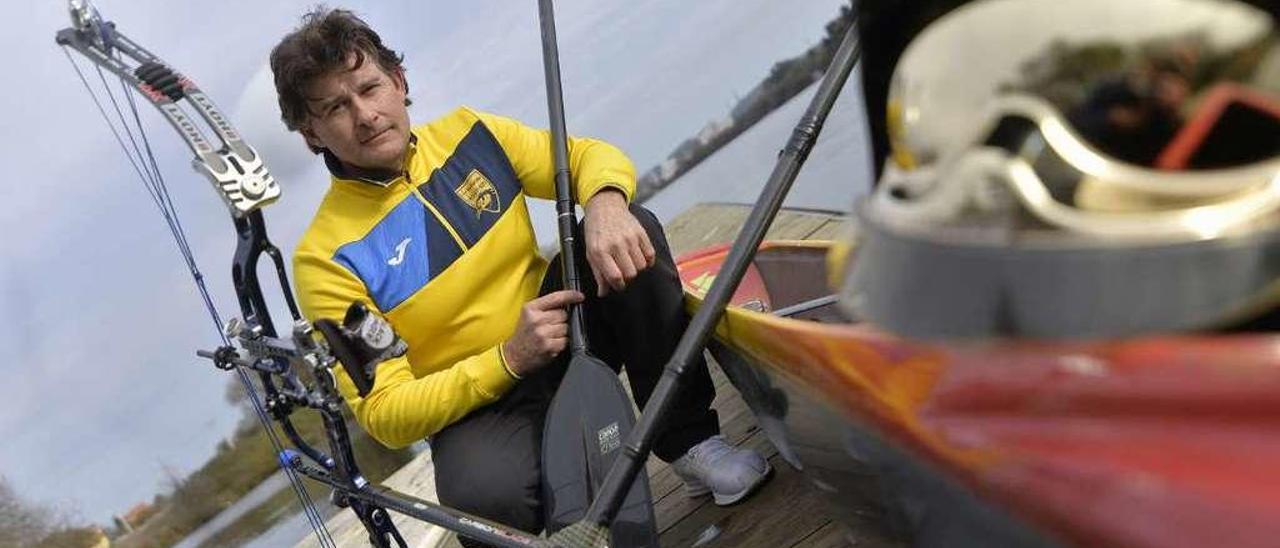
(593, 164)
(401, 408)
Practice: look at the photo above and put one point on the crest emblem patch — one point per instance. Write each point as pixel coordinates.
(479, 193)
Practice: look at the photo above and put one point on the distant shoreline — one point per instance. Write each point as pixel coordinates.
(786, 79)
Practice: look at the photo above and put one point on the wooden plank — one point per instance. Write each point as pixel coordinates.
(833, 229)
(711, 224)
(835, 535)
(704, 225)
(831, 535)
(795, 226)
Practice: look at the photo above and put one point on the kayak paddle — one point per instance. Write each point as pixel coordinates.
(590, 415)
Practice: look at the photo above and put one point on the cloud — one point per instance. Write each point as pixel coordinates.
(258, 118)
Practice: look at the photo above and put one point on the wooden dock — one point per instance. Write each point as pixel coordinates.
(786, 512)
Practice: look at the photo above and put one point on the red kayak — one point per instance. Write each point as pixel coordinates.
(1156, 441)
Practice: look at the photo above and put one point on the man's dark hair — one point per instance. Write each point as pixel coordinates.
(323, 44)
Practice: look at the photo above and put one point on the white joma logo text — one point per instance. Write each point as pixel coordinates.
(400, 247)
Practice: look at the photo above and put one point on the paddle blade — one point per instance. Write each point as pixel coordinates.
(587, 421)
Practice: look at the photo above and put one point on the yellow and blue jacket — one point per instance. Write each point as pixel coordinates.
(445, 251)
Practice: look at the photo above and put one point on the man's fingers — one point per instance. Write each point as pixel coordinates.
(602, 288)
(557, 316)
(613, 270)
(637, 257)
(552, 331)
(557, 345)
(626, 267)
(646, 248)
(607, 271)
(557, 299)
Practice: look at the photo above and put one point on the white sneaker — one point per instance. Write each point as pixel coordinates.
(725, 471)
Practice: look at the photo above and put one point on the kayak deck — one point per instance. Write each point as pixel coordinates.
(786, 512)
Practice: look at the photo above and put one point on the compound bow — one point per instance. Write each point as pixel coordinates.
(241, 180)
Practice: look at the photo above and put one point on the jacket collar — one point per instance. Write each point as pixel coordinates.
(376, 177)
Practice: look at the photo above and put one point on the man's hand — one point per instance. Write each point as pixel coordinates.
(617, 246)
(541, 333)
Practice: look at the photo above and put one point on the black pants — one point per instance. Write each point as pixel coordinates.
(489, 463)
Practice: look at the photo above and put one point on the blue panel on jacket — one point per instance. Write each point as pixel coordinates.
(400, 254)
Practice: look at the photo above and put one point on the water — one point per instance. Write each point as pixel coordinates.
(287, 532)
(248, 502)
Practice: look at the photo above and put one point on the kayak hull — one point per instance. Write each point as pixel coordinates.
(1158, 441)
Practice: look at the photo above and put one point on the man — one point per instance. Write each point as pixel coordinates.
(428, 226)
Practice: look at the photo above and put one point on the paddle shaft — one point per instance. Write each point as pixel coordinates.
(566, 219)
(804, 136)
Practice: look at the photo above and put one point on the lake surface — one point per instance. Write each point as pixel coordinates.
(253, 498)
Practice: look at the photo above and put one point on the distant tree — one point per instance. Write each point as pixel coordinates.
(173, 479)
(21, 522)
(72, 537)
(24, 523)
(837, 27)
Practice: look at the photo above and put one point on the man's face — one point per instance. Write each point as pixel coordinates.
(359, 115)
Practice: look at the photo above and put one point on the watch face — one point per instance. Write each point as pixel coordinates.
(376, 333)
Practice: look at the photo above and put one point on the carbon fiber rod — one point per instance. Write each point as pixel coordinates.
(803, 137)
(566, 220)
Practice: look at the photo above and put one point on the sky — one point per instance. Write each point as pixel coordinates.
(102, 392)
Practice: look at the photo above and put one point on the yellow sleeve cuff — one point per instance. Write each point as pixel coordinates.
(502, 356)
(626, 192)
(489, 375)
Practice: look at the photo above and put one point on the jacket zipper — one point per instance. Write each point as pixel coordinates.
(436, 213)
